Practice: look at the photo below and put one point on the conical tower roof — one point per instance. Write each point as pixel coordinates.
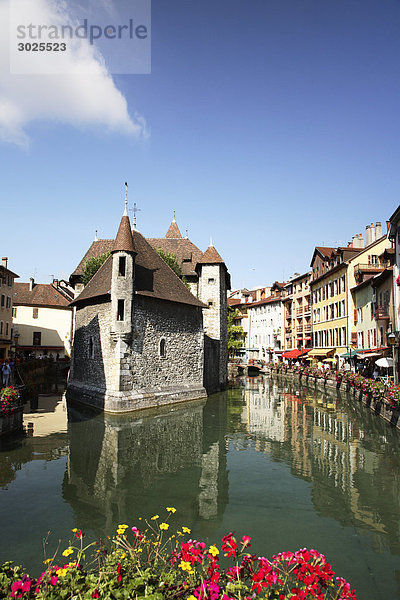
(211, 256)
(124, 240)
(173, 231)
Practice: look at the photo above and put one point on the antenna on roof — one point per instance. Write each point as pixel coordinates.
(174, 217)
(96, 239)
(187, 233)
(126, 200)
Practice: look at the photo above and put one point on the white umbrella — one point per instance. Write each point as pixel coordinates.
(384, 362)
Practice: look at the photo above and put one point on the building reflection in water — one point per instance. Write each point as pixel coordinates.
(349, 455)
(124, 466)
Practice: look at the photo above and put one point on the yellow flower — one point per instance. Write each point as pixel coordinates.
(179, 532)
(186, 530)
(75, 530)
(120, 531)
(46, 562)
(186, 566)
(61, 572)
(213, 550)
(192, 597)
(164, 526)
(73, 564)
(123, 526)
(67, 552)
(171, 509)
(155, 517)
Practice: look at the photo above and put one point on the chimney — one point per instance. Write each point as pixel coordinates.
(4, 262)
(387, 227)
(55, 283)
(368, 235)
(372, 233)
(378, 230)
(31, 284)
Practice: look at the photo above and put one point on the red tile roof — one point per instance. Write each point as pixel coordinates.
(124, 240)
(187, 254)
(153, 278)
(173, 231)
(211, 256)
(42, 294)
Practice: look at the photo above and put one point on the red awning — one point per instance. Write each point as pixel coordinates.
(294, 353)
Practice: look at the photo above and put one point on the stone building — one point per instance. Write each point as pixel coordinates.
(141, 337)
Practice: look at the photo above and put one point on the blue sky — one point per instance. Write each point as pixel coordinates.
(270, 125)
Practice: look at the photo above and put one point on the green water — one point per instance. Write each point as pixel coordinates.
(288, 467)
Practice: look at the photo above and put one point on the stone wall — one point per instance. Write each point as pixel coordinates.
(123, 373)
(180, 326)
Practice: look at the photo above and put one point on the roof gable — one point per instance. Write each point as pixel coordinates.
(153, 278)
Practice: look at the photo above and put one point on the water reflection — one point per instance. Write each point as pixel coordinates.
(349, 455)
(138, 465)
(288, 466)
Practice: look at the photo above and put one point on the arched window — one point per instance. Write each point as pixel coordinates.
(162, 348)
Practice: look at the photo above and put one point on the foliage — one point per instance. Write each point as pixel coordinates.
(9, 397)
(92, 265)
(172, 262)
(235, 332)
(155, 565)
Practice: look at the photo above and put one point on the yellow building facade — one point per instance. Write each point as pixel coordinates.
(330, 313)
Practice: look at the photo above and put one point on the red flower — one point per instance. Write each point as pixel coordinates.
(95, 594)
(119, 569)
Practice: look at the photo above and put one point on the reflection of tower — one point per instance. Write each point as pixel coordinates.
(213, 495)
(122, 467)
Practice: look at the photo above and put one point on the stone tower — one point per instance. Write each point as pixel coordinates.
(212, 290)
(122, 292)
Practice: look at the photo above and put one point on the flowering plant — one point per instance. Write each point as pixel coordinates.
(153, 564)
(393, 396)
(9, 397)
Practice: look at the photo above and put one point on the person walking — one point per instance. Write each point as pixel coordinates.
(6, 372)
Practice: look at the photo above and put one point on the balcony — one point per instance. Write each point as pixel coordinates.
(299, 311)
(307, 328)
(307, 309)
(367, 268)
(382, 313)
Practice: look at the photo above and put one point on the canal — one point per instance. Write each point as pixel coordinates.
(289, 467)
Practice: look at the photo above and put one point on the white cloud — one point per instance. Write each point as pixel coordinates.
(85, 97)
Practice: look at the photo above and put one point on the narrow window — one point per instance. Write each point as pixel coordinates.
(122, 265)
(1, 327)
(37, 338)
(91, 348)
(2, 299)
(7, 329)
(8, 302)
(14, 311)
(120, 310)
(162, 348)
(35, 313)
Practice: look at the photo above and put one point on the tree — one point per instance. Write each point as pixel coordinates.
(172, 262)
(235, 332)
(92, 265)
